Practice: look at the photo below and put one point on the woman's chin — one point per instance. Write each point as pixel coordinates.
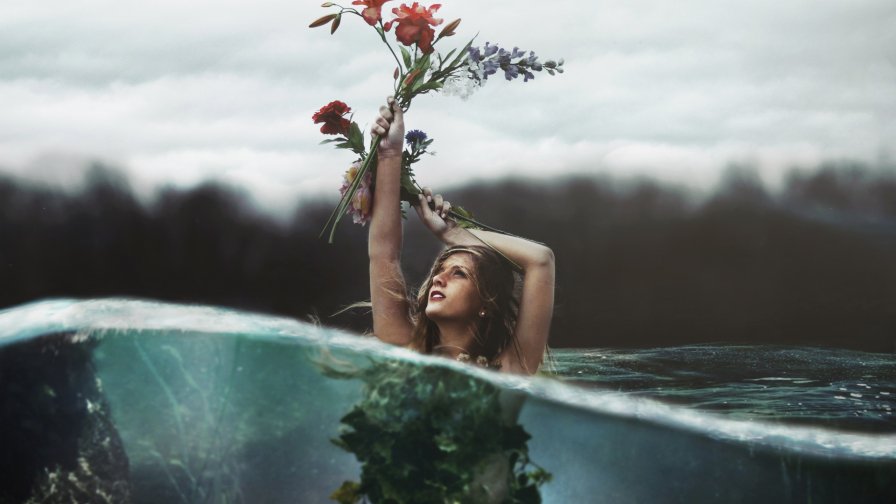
(437, 314)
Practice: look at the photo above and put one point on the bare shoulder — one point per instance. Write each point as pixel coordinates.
(512, 363)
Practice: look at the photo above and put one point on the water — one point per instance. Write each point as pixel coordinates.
(166, 403)
(839, 389)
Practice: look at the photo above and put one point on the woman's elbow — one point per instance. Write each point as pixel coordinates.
(543, 257)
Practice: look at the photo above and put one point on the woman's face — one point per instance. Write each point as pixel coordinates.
(453, 295)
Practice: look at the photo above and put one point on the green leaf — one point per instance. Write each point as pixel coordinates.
(331, 140)
(462, 211)
(448, 56)
(356, 138)
(446, 443)
(463, 53)
(420, 87)
(406, 56)
(423, 64)
(342, 208)
(348, 493)
(421, 433)
(409, 189)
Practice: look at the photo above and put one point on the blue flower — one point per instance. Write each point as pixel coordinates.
(511, 72)
(515, 62)
(415, 136)
(474, 54)
(489, 67)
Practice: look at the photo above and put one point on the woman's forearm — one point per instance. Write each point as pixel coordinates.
(525, 253)
(388, 292)
(384, 239)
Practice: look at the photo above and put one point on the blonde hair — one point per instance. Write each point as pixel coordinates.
(495, 282)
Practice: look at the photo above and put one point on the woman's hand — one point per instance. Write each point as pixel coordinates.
(435, 219)
(389, 126)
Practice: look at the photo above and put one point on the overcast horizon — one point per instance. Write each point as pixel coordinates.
(176, 93)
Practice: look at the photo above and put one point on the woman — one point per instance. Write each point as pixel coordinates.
(465, 310)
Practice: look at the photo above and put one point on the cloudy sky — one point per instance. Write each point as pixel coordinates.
(176, 92)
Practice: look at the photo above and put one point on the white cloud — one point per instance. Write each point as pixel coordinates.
(178, 92)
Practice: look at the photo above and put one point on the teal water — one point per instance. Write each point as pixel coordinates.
(214, 405)
(834, 388)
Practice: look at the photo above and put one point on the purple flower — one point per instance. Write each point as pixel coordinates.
(511, 72)
(474, 54)
(490, 58)
(415, 136)
(489, 68)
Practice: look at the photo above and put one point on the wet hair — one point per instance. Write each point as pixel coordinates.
(494, 279)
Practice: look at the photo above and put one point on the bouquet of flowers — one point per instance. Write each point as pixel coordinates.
(420, 70)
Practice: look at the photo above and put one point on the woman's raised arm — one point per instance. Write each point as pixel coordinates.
(388, 291)
(537, 261)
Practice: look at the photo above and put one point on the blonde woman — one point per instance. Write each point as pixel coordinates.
(466, 309)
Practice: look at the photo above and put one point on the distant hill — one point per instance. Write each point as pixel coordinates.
(639, 264)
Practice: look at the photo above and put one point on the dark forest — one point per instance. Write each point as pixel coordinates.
(638, 263)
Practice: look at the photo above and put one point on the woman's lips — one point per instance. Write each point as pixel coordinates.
(436, 296)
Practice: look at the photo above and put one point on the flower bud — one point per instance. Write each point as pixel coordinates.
(323, 20)
(411, 77)
(335, 24)
(395, 74)
(448, 30)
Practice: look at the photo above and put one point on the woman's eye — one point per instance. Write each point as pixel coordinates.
(459, 273)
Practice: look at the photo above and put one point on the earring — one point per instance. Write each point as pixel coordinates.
(482, 313)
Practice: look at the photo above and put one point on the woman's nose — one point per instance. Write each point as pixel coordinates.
(438, 280)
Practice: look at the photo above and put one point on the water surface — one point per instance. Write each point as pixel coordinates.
(200, 404)
(834, 388)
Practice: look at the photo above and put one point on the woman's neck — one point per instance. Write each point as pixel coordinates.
(455, 339)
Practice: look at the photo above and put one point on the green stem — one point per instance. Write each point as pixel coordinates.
(340, 210)
(458, 217)
(382, 33)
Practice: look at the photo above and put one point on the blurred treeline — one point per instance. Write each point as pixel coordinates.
(638, 263)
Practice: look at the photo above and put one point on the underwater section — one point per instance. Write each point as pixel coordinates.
(116, 400)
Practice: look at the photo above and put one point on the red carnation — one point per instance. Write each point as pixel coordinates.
(415, 25)
(373, 10)
(331, 115)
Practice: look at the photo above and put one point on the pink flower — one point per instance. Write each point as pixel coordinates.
(373, 10)
(415, 25)
(361, 206)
